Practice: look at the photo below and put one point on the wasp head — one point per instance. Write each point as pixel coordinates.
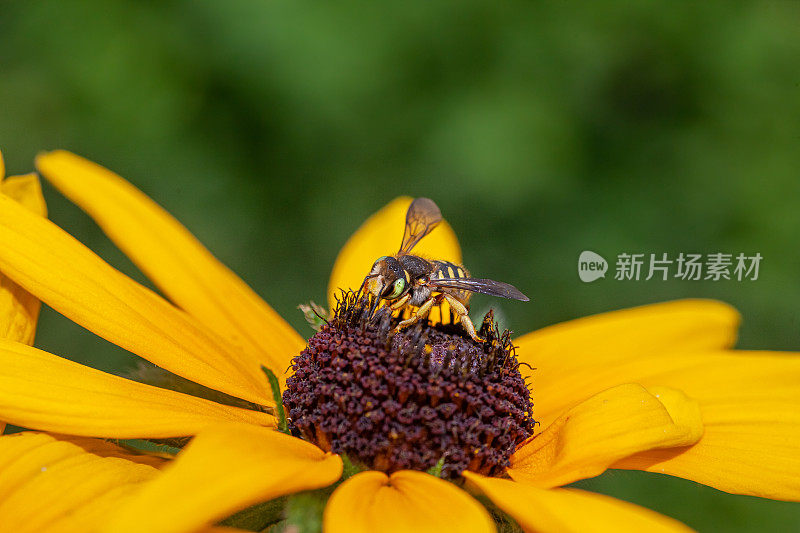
(387, 279)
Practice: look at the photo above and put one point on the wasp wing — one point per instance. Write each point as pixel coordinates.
(482, 286)
(423, 215)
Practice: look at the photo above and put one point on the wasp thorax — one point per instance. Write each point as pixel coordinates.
(406, 400)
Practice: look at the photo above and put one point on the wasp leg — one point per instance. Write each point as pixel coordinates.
(421, 313)
(462, 313)
(399, 304)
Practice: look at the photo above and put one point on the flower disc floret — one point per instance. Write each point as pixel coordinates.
(408, 400)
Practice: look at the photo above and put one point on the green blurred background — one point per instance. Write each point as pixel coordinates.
(273, 129)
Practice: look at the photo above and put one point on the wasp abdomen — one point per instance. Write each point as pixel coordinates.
(446, 269)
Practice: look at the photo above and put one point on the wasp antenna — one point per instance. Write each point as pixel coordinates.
(374, 305)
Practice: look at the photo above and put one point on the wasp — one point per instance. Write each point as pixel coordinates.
(405, 280)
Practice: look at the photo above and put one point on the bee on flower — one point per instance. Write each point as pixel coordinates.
(374, 427)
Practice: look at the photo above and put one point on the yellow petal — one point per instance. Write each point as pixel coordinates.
(25, 190)
(749, 404)
(2, 166)
(595, 434)
(66, 275)
(381, 235)
(405, 501)
(175, 260)
(223, 470)
(42, 391)
(569, 510)
(60, 483)
(573, 359)
(19, 310)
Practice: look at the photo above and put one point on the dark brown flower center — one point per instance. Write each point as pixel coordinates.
(408, 400)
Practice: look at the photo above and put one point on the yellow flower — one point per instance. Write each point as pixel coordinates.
(655, 388)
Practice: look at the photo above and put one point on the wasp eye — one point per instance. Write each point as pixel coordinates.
(397, 288)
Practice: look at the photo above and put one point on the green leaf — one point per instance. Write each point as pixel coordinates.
(283, 426)
(304, 511)
(315, 314)
(350, 468)
(436, 470)
(257, 517)
(167, 446)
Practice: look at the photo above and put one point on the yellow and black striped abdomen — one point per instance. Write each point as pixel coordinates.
(446, 269)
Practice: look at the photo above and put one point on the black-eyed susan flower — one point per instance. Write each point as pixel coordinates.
(428, 421)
